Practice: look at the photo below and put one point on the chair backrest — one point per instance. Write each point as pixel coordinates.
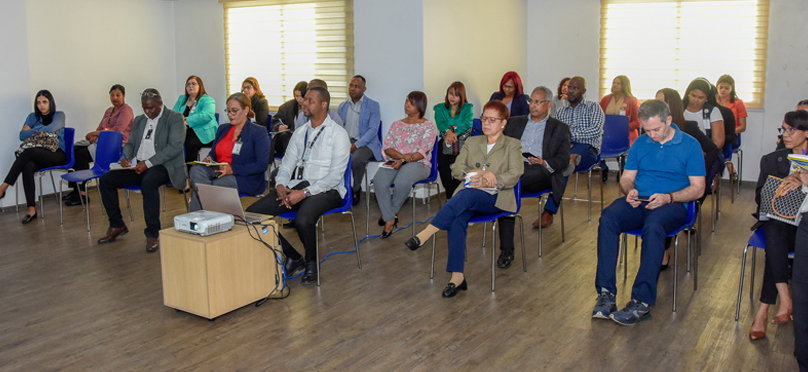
(476, 127)
(381, 139)
(692, 213)
(347, 200)
(217, 117)
(735, 148)
(269, 121)
(518, 191)
(108, 149)
(615, 135)
(69, 136)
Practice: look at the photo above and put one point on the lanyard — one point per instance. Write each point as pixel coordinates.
(308, 146)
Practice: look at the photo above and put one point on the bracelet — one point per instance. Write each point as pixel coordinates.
(671, 195)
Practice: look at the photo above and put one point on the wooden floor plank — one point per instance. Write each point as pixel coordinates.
(67, 303)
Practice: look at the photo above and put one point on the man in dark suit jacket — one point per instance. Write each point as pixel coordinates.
(154, 154)
(547, 140)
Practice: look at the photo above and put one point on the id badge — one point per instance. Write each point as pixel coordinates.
(306, 153)
(237, 148)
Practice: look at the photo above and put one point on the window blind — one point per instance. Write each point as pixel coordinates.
(283, 42)
(666, 44)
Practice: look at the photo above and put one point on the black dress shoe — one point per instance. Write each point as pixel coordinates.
(293, 266)
(386, 234)
(289, 225)
(356, 198)
(310, 276)
(505, 259)
(70, 195)
(28, 218)
(77, 201)
(413, 243)
(452, 289)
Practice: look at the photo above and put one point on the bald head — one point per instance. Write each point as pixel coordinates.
(314, 83)
(576, 90)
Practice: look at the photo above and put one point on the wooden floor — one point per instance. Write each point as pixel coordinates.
(67, 303)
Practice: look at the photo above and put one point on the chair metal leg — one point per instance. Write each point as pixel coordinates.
(41, 201)
(494, 254)
(590, 195)
(688, 251)
(98, 189)
(17, 196)
(129, 206)
(561, 209)
(485, 227)
(625, 257)
(87, 207)
(601, 187)
(740, 283)
(413, 211)
(61, 205)
(575, 194)
(624, 240)
(731, 186)
(675, 269)
(356, 242)
(367, 204)
(740, 169)
(541, 205)
(317, 249)
(522, 231)
(432, 273)
(752, 281)
(695, 261)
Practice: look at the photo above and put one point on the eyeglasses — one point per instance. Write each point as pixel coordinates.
(248, 87)
(231, 111)
(782, 130)
(191, 84)
(148, 94)
(491, 120)
(538, 102)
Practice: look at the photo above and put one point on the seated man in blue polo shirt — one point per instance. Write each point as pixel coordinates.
(665, 169)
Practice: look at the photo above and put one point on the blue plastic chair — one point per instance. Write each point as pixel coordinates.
(616, 142)
(108, 150)
(69, 134)
(493, 219)
(429, 180)
(476, 127)
(345, 208)
(690, 222)
(756, 240)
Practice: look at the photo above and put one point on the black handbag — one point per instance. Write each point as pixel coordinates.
(455, 148)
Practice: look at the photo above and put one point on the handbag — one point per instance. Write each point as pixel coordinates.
(454, 148)
(45, 140)
(780, 206)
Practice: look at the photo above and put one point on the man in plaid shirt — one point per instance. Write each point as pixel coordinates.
(585, 119)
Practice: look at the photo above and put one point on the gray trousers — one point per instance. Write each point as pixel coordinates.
(361, 157)
(402, 180)
(207, 176)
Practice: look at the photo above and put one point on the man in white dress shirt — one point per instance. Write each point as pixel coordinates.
(310, 180)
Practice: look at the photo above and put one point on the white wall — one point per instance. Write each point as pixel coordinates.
(15, 90)
(563, 40)
(199, 45)
(474, 42)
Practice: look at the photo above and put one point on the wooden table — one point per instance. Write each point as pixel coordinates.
(212, 275)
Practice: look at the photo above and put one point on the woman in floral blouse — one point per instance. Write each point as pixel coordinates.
(406, 149)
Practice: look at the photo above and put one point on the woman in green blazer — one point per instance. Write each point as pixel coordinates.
(491, 166)
(199, 111)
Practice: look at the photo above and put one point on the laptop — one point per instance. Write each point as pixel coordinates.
(226, 200)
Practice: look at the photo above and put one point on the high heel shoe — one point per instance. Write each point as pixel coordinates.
(28, 218)
(386, 234)
(784, 317)
(452, 289)
(413, 243)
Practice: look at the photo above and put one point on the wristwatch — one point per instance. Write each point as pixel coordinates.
(306, 192)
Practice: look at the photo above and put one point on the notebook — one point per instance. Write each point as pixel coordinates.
(226, 200)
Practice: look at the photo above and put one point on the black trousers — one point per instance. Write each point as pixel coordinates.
(82, 161)
(280, 142)
(192, 146)
(27, 163)
(445, 171)
(308, 210)
(536, 178)
(149, 182)
(799, 287)
(779, 243)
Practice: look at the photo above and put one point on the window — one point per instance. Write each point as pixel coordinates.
(283, 42)
(666, 44)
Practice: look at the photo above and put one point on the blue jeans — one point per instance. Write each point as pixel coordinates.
(454, 218)
(620, 217)
(589, 156)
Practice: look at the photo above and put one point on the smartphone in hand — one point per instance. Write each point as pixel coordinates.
(527, 155)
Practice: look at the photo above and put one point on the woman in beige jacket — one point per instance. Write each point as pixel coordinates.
(490, 167)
